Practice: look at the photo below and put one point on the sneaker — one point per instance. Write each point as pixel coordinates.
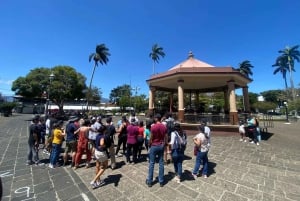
(257, 143)
(205, 176)
(252, 142)
(149, 184)
(94, 185)
(176, 179)
(245, 140)
(51, 166)
(119, 155)
(45, 151)
(194, 176)
(100, 183)
(241, 140)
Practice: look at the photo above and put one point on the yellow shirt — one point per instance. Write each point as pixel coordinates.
(57, 136)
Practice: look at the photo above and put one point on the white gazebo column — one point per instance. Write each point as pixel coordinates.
(151, 100)
(232, 103)
(246, 99)
(180, 101)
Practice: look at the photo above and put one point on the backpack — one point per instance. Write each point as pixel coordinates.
(180, 140)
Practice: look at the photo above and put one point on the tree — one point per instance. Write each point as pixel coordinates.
(245, 68)
(67, 84)
(291, 54)
(282, 66)
(155, 55)
(99, 56)
(121, 95)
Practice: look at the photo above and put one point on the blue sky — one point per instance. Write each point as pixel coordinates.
(47, 33)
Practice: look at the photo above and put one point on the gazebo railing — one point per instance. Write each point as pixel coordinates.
(213, 119)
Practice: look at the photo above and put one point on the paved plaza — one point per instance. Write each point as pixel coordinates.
(237, 171)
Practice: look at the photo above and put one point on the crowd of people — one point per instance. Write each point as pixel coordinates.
(161, 136)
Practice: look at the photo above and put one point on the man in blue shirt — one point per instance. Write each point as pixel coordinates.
(71, 141)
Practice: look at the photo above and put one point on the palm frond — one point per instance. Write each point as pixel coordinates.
(91, 57)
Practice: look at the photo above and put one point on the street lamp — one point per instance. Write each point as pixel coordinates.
(286, 111)
(135, 89)
(51, 76)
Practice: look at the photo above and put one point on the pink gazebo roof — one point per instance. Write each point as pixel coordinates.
(197, 75)
(191, 62)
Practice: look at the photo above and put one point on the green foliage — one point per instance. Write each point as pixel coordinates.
(119, 92)
(263, 107)
(67, 84)
(273, 95)
(245, 68)
(155, 54)
(252, 98)
(6, 108)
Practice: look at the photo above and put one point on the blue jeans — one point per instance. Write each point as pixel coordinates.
(56, 149)
(201, 156)
(177, 157)
(156, 151)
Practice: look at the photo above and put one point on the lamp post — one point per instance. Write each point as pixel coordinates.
(51, 76)
(286, 111)
(135, 100)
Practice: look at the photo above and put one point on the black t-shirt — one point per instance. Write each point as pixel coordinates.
(111, 130)
(33, 129)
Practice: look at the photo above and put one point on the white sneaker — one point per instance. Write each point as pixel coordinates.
(100, 183)
(257, 143)
(252, 142)
(51, 166)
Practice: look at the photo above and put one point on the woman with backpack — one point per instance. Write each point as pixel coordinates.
(178, 144)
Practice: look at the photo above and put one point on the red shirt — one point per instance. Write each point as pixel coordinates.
(158, 134)
(141, 132)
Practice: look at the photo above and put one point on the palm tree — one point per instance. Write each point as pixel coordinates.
(282, 66)
(100, 56)
(245, 68)
(155, 54)
(291, 54)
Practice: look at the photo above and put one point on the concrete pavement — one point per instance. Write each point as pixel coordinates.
(238, 171)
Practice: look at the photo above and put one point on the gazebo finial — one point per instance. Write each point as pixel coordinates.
(191, 55)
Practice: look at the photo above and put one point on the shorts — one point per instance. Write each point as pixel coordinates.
(71, 146)
(101, 156)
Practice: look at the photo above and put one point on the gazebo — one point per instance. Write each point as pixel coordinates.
(195, 76)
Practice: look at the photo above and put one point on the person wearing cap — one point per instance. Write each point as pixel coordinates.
(158, 140)
(96, 124)
(71, 141)
(33, 142)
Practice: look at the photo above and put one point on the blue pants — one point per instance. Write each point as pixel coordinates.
(156, 151)
(201, 156)
(56, 149)
(177, 157)
(33, 153)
